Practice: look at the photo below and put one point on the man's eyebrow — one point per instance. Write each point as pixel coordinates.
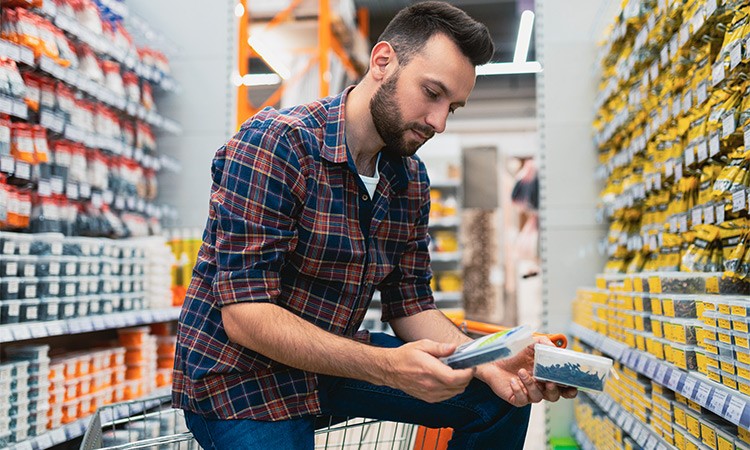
(445, 89)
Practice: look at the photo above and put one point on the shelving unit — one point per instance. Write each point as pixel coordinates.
(104, 163)
(37, 330)
(726, 403)
(78, 428)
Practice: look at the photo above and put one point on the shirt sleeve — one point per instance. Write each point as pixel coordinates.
(257, 193)
(406, 291)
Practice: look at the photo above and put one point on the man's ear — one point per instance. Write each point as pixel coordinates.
(382, 60)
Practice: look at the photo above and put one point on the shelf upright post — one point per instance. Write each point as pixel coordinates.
(325, 44)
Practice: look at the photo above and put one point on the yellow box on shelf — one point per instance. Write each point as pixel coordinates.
(680, 415)
(729, 380)
(740, 323)
(693, 420)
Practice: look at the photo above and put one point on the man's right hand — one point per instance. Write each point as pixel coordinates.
(415, 369)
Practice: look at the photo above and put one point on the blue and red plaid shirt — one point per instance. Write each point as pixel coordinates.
(284, 228)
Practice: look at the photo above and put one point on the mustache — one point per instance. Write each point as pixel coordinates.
(427, 131)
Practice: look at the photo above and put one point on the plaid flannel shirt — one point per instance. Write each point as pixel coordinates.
(283, 228)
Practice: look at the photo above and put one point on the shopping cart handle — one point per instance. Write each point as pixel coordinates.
(487, 328)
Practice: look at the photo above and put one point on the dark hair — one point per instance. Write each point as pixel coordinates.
(414, 25)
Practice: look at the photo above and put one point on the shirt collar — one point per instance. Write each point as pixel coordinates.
(334, 143)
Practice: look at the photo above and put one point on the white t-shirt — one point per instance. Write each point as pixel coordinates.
(372, 182)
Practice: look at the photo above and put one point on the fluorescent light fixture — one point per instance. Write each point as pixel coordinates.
(509, 68)
(270, 56)
(524, 36)
(239, 10)
(261, 79)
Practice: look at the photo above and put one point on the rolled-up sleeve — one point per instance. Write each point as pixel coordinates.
(406, 291)
(257, 191)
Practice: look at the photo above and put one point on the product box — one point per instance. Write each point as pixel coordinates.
(502, 344)
(571, 368)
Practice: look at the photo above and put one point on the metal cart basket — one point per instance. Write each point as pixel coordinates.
(152, 424)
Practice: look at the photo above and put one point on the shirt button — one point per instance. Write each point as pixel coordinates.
(365, 197)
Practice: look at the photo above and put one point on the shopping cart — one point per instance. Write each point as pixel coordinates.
(153, 424)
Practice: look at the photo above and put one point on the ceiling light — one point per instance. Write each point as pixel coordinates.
(239, 10)
(524, 36)
(509, 68)
(270, 55)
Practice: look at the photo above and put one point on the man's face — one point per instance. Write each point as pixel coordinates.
(413, 103)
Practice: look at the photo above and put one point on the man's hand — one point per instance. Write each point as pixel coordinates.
(415, 369)
(511, 379)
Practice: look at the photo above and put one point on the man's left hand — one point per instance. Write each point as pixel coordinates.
(512, 381)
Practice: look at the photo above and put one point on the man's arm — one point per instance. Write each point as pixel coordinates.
(280, 335)
(509, 378)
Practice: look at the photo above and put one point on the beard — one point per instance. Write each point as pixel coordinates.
(388, 121)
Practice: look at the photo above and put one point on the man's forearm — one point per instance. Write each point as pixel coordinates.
(280, 335)
(431, 324)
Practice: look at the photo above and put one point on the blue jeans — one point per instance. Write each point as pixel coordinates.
(479, 418)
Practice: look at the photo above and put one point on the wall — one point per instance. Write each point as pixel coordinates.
(566, 36)
(206, 36)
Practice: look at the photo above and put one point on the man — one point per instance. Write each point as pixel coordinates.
(312, 209)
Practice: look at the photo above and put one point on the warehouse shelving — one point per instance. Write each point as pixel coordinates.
(640, 432)
(726, 403)
(35, 330)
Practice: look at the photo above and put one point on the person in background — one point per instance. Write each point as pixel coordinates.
(312, 209)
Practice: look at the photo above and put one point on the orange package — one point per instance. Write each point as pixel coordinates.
(22, 143)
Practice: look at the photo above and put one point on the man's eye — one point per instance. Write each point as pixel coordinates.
(430, 93)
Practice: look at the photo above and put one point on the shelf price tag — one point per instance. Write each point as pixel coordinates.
(661, 373)
(729, 124)
(697, 216)
(720, 213)
(735, 409)
(738, 200)
(714, 144)
(5, 334)
(717, 73)
(735, 54)
(45, 441)
(688, 387)
(25, 445)
(651, 443)
(718, 399)
(674, 380)
(708, 214)
(651, 368)
(701, 93)
(702, 150)
(21, 333)
(58, 435)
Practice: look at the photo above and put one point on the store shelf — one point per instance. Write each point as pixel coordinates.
(35, 330)
(76, 79)
(78, 428)
(445, 222)
(640, 432)
(445, 184)
(445, 256)
(726, 403)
